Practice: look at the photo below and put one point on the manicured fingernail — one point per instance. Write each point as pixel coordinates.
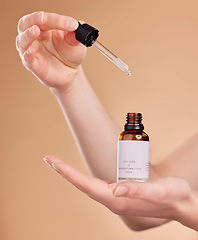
(32, 31)
(29, 51)
(55, 168)
(120, 191)
(71, 25)
(47, 161)
(40, 17)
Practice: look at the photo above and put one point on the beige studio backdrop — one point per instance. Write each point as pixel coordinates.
(158, 40)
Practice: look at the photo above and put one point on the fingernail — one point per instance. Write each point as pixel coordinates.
(54, 167)
(32, 31)
(40, 17)
(47, 161)
(29, 51)
(71, 25)
(120, 191)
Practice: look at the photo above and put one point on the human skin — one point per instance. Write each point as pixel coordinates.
(48, 48)
(166, 197)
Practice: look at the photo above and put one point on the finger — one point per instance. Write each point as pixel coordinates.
(29, 57)
(34, 61)
(93, 187)
(71, 39)
(27, 21)
(47, 21)
(153, 191)
(26, 38)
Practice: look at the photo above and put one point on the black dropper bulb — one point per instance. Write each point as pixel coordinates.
(86, 34)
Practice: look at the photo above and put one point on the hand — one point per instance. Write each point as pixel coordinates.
(48, 48)
(169, 197)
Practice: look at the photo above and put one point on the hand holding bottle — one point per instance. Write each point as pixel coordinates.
(48, 48)
(169, 197)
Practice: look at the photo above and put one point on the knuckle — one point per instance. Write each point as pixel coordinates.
(60, 20)
(163, 194)
(136, 192)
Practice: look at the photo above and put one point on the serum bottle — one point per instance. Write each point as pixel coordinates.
(133, 151)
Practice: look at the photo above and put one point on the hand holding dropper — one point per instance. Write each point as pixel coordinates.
(88, 35)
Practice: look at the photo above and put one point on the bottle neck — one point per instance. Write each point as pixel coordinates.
(134, 122)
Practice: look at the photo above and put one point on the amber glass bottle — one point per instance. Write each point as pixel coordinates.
(133, 151)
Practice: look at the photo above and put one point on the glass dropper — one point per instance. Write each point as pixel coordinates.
(88, 35)
(112, 57)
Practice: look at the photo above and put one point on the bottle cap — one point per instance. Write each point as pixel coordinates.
(86, 34)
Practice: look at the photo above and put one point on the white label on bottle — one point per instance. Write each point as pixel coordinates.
(133, 161)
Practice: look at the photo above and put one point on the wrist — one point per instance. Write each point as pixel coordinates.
(73, 79)
(188, 211)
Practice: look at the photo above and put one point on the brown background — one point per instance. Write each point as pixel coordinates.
(158, 40)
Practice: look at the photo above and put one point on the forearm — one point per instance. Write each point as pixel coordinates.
(182, 162)
(54, 60)
(96, 136)
(94, 131)
(188, 211)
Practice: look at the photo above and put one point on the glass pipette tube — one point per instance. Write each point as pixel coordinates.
(112, 57)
